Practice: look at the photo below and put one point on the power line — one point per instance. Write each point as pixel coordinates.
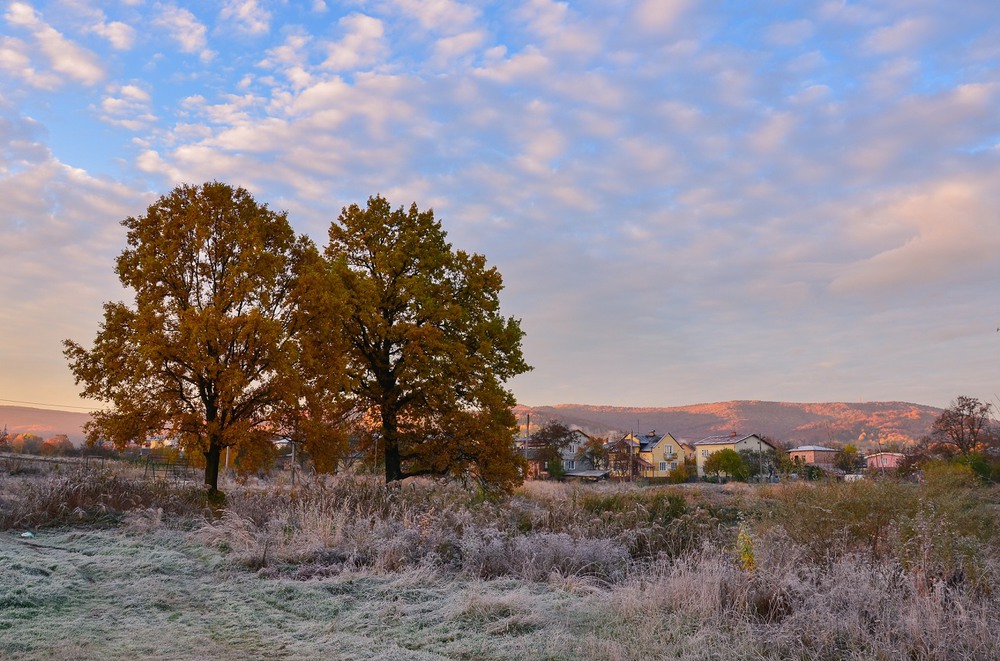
(59, 406)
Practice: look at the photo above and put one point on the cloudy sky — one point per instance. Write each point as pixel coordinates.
(689, 201)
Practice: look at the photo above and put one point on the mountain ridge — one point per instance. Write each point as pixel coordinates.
(866, 424)
(789, 423)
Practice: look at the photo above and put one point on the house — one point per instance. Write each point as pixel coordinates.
(535, 454)
(663, 453)
(625, 459)
(708, 446)
(814, 455)
(884, 460)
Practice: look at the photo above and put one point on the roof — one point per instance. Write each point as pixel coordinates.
(724, 439)
(813, 448)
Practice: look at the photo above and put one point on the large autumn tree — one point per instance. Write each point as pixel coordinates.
(212, 351)
(429, 351)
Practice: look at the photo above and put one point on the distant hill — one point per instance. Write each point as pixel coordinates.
(788, 423)
(43, 422)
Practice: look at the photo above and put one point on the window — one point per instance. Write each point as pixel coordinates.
(704, 453)
(570, 464)
(663, 467)
(673, 465)
(668, 451)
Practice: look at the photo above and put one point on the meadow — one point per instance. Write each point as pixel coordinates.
(346, 567)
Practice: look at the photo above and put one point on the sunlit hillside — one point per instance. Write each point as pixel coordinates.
(43, 422)
(864, 423)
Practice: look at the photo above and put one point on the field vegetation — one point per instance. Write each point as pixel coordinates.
(349, 567)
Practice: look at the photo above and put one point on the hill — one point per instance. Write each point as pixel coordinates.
(43, 422)
(788, 423)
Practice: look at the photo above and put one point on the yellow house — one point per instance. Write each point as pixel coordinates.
(664, 453)
(706, 447)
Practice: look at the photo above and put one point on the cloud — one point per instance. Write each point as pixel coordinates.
(63, 227)
(790, 33)
(248, 15)
(15, 59)
(120, 35)
(184, 28)
(902, 35)
(362, 46)
(950, 234)
(442, 16)
(64, 56)
(128, 106)
(659, 16)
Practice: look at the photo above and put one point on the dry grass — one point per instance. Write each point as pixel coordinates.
(353, 568)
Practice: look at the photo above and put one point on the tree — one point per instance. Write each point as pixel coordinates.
(964, 426)
(213, 350)
(727, 461)
(58, 445)
(428, 351)
(760, 464)
(594, 452)
(4, 436)
(848, 459)
(549, 442)
(26, 443)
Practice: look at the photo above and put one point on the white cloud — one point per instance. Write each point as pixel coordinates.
(184, 28)
(950, 234)
(121, 35)
(900, 36)
(444, 16)
(16, 61)
(362, 46)
(447, 49)
(249, 16)
(128, 106)
(64, 56)
(790, 33)
(659, 16)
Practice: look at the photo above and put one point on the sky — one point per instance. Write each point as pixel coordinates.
(689, 201)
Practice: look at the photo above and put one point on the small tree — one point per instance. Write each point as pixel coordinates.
(848, 459)
(57, 446)
(760, 465)
(594, 452)
(26, 443)
(727, 461)
(549, 443)
(963, 427)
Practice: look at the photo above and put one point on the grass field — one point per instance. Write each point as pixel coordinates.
(347, 568)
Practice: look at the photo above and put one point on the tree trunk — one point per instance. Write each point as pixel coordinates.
(212, 457)
(393, 463)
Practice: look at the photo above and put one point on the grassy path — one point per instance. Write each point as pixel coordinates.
(105, 594)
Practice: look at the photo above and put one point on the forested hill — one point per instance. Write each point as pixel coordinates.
(786, 422)
(43, 422)
(789, 423)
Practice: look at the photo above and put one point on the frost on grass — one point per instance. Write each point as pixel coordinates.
(107, 595)
(352, 569)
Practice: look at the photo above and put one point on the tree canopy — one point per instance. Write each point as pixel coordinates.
(428, 350)
(965, 426)
(729, 462)
(213, 350)
(549, 442)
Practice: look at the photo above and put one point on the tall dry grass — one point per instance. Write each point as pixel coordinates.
(879, 569)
